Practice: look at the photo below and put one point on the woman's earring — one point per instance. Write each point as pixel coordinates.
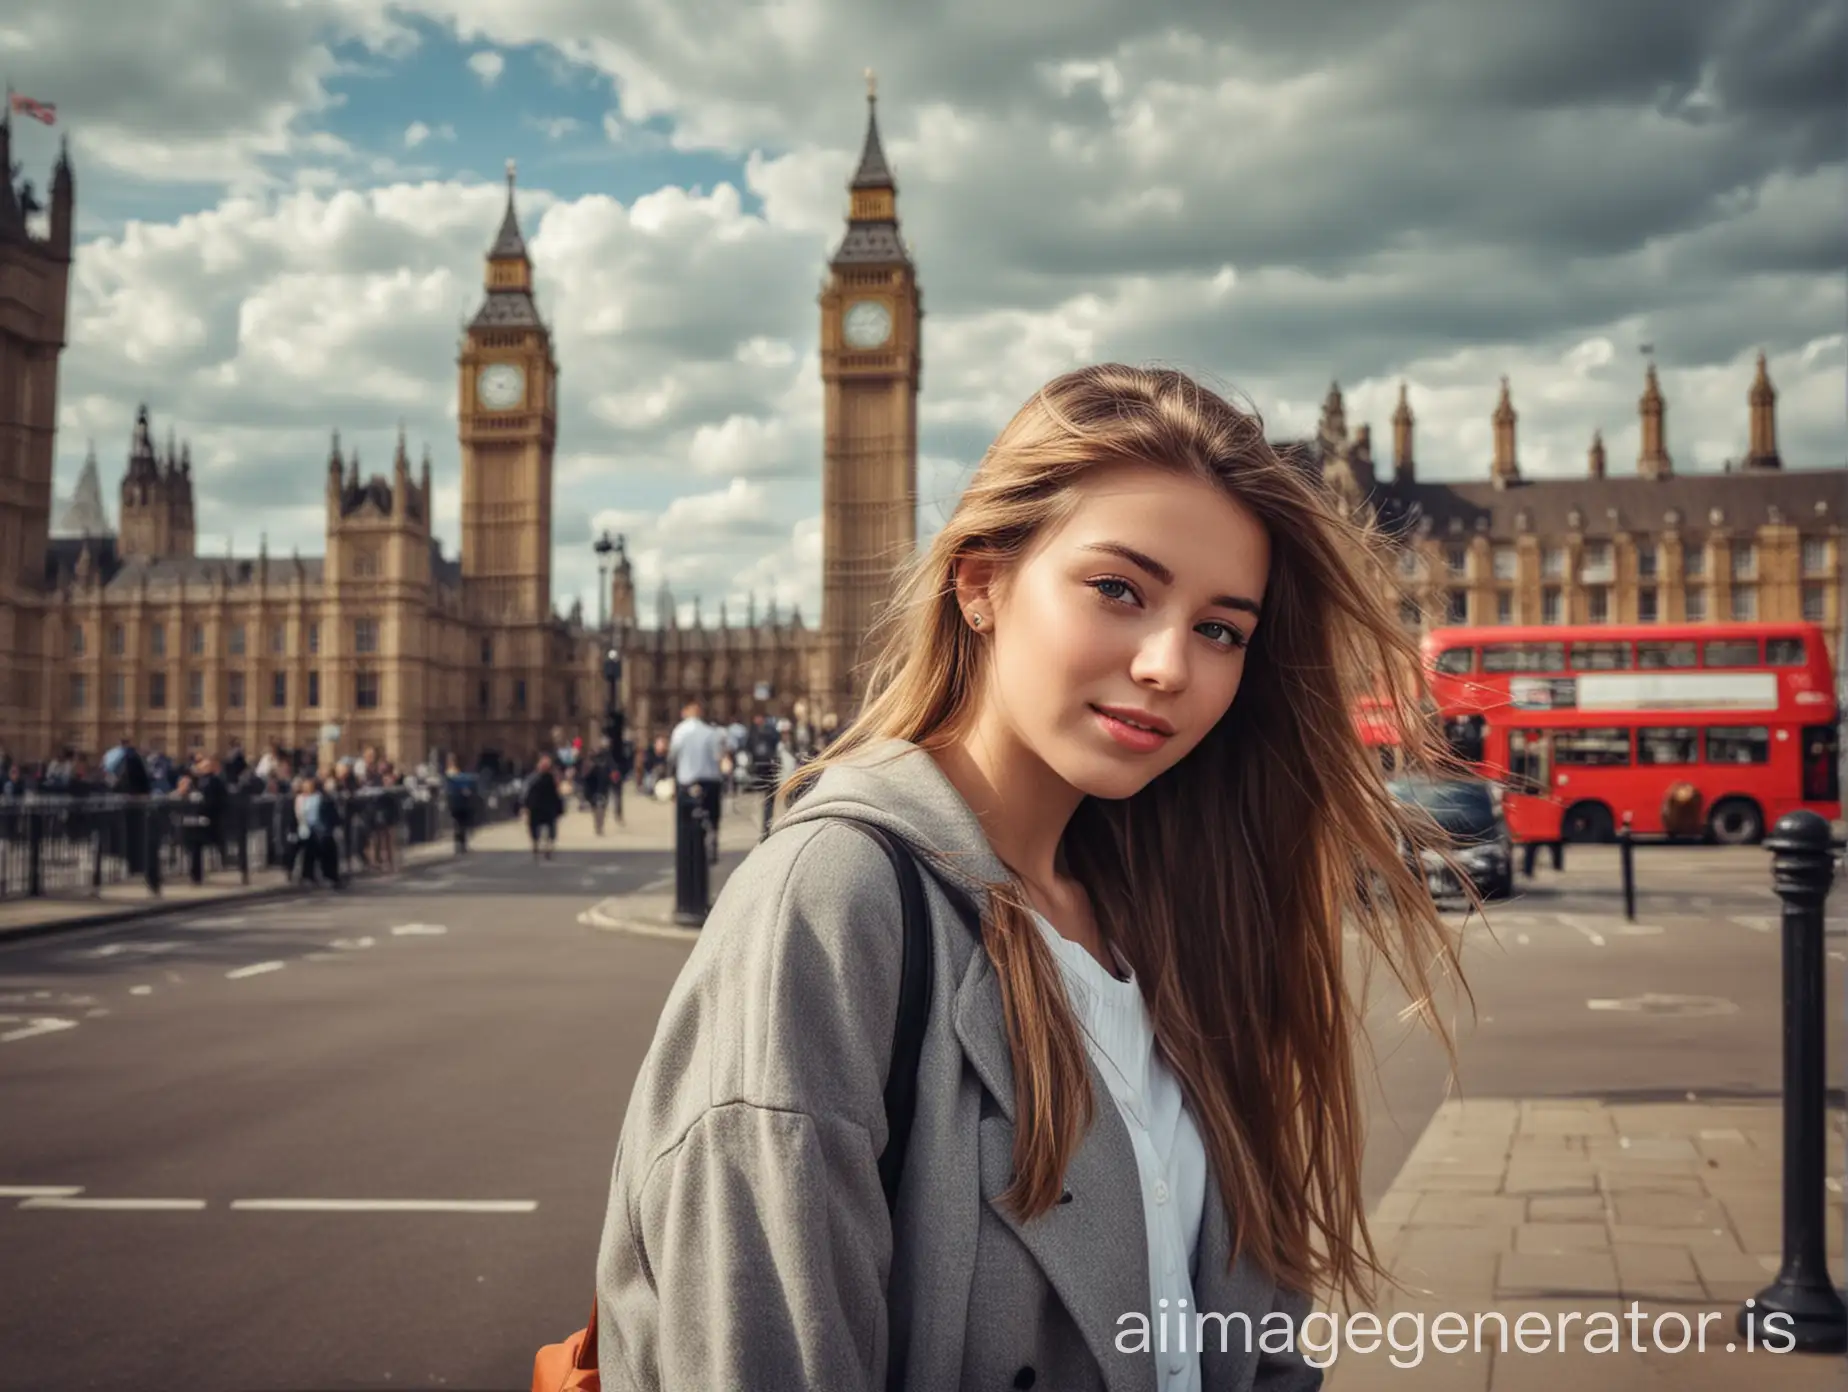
(976, 619)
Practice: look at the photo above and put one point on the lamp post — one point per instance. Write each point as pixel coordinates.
(612, 646)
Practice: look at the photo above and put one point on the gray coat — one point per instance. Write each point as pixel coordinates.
(747, 1243)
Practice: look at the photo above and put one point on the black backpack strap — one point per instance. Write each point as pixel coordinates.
(914, 989)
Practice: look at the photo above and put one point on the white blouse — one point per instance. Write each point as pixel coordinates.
(1170, 1157)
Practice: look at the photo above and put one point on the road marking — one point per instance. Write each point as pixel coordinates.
(1758, 923)
(386, 1205)
(657, 885)
(1592, 935)
(148, 948)
(351, 942)
(116, 1204)
(418, 929)
(256, 969)
(46, 1025)
(141, 990)
(39, 1191)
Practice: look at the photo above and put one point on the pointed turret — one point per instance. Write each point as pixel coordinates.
(1594, 462)
(1762, 399)
(509, 275)
(1652, 461)
(872, 218)
(1333, 429)
(1506, 468)
(1403, 469)
(142, 464)
(873, 172)
(336, 466)
(12, 216)
(85, 516)
(63, 204)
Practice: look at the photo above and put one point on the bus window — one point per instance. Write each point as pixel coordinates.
(1822, 769)
(1456, 662)
(1674, 744)
(1524, 657)
(1784, 652)
(1528, 768)
(1464, 734)
(1592, 748)
(1732, 652)
(1655, 656)
(1600, 657)
(1743, 744)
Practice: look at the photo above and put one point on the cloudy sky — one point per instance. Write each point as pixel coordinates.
(283, 211)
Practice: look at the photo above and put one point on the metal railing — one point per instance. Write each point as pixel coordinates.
(60, 846)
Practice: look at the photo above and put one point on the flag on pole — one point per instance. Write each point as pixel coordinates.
(37, 110)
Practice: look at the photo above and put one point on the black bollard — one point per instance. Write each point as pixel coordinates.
(1809, 1310)
(1626, 857)
(689, 856)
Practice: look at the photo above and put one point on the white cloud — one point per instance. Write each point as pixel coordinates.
(557, 127)
(1267, 196)
(487, 65)
(418, 132)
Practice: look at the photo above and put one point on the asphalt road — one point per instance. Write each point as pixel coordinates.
(459, 1039)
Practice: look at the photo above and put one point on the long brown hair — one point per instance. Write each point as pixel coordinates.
(1227, 881)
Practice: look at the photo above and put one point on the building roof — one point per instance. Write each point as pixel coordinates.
(1627, 503)
(873, 172)
(507, 309)
(84, 515)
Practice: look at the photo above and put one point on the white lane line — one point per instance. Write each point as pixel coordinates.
(39, 1191)
(351, 942)
(124, 1205)
(46, 1025)
(255, 969)
(141, 990)
(386, 1205)
(1592, 935)
(1758, 923)
(656, 886)
(418, 930)
(145, 948)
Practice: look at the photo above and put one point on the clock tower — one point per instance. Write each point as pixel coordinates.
(508, 404)
(871, 314)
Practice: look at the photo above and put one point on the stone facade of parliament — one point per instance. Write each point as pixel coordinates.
(129, 631)
(106, 632)
(1757, 542)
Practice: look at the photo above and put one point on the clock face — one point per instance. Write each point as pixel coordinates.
(867, 324)
(501, 386)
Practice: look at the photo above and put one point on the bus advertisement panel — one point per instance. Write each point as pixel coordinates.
(1710, 730)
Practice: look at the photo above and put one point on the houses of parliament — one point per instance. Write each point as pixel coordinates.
(384, 640)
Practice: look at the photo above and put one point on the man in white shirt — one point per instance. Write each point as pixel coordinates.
(694, 752)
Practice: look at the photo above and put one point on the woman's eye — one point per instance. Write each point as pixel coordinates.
(1109, 587)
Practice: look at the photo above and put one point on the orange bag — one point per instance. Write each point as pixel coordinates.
(572, 1365)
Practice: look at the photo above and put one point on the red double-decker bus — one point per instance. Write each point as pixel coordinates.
(1713, 729)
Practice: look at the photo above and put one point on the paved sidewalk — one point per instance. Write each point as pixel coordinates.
(24, 918)
(1561, 1206)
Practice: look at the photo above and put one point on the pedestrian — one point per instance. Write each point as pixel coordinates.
(544, 805)
(1137, 1095)
(595, 785)
(764, 748)
(695, 754)
(459, 790)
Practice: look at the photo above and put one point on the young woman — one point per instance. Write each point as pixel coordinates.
(1112, 716)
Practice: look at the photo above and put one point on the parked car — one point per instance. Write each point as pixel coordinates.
(1470, 811)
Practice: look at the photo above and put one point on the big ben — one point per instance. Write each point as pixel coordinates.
(508, 413)
(871, 314)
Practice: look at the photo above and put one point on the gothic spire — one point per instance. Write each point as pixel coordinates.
(873, 171)
(509, 244)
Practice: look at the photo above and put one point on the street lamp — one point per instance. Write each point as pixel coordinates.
(612, 646)
(603, 548)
